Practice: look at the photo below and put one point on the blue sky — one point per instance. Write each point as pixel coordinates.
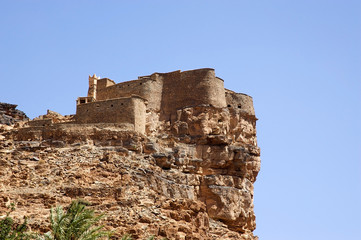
(300, 60)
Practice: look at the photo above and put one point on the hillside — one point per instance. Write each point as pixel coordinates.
(190, 177)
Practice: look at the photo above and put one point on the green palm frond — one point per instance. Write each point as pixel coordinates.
(76, 223)
(9, 230)
(127, 237)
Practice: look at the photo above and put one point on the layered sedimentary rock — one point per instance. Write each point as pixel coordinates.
(187, 177)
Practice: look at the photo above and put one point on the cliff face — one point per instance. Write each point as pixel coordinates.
(192, 179)
(188, 178)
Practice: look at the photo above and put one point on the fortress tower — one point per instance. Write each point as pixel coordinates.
(92, 92)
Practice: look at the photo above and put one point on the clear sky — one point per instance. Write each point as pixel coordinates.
(300, 60)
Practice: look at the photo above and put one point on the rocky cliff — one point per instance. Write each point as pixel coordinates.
(187, 179)
(9, 115)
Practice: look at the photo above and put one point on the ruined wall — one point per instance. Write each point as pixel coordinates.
(240, 101)
(190, 88)
(122, 110)
(39, 123)
(145, 88)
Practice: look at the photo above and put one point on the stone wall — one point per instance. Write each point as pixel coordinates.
(39, 123)
(145, 88)
(139, 109)
(129, 110)
(104, 83)
(240, 101)
(190, 88)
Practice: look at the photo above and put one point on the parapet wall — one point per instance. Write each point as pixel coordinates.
(129, 110)
(146, 88)
(240, 101)
(190, 88)
(39, 123)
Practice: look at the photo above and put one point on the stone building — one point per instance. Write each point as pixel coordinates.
(163, 93)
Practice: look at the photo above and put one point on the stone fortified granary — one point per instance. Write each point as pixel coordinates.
(128, 102)
(172, 155)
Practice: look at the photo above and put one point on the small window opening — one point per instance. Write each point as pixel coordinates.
(140, 83)
(229, 105)
(111, 105)
(82, 101)
(239, 106)
(121, 104)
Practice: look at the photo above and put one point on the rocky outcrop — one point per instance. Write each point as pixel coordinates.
(172, 155)
(9, 115)
(187, 179)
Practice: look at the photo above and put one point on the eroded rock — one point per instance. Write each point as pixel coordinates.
(187, 175)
